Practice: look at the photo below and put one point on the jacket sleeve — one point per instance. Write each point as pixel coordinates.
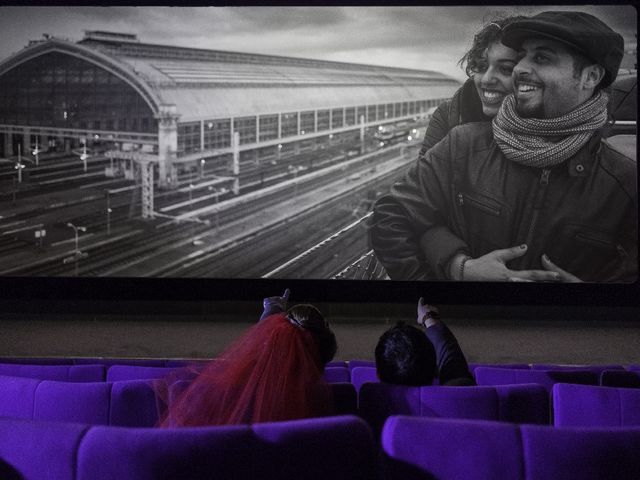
(437, 129)
(271, 305)
(452, 365)
(416, 212)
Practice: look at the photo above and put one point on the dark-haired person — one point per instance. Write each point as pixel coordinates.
(405, 355)
(488, 64)
(537, 195)
(273, 372)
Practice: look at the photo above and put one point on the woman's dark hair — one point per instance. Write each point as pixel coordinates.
(309, 318)
(405, 356)
(490, 33)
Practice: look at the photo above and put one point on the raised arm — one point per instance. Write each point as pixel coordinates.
(450, 360)
(273, 305)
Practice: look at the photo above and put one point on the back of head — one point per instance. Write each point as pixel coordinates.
(273, 372)
(309, 318)
(405, 356)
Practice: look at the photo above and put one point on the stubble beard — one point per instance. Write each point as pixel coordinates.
(531, 111)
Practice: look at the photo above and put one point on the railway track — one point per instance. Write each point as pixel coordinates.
(137, 248)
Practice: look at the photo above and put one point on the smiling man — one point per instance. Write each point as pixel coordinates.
(537, 195)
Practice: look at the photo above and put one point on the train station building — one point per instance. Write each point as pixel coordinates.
(186, 108)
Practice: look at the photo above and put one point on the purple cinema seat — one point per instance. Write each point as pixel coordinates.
(588, 368)
(344, 396)
(547, 378)
(451, 449)
(336, 374)
(63, 373)
(133, 404)
(620, 378)
(429, 448)
(292, 449)
(337, 363)
(362, 375)
(117, 373)
(360, 363)
(633, 368)
(17, 396)
(522, 366)
(282, 450)
(164, 454)
(584, 453)
(73, 402)
(41, 450)
(595, 406)
(98, 403)
(176, 389)
(511, 403)
(524, 403)
(107, 362)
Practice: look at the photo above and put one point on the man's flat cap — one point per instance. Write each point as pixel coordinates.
(578, 30)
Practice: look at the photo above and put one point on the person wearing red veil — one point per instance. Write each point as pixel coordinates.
(273, 372)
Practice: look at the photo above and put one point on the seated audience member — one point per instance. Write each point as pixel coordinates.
(273, 372)
(406, 356)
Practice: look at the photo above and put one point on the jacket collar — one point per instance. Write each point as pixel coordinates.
(582, 163)
(470, 106)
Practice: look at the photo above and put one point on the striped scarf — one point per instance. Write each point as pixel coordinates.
(526, 140)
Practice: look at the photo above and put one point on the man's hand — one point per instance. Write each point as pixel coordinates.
(492, 268)
(564, 275)
(428, 315)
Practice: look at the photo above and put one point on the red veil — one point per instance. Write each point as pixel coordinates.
(273, 372)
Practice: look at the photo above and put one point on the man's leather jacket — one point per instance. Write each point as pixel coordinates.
(466, 196)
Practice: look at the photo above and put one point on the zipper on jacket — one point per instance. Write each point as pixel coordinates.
(484, 206)
(537, 204)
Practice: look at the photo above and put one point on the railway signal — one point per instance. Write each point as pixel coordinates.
(77, 254)
(108, 195)
(40, 234)
(19, 165)
(35, 152)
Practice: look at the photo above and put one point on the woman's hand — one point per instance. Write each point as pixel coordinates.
(280, 302)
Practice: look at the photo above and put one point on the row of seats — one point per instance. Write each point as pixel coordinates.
(546, 377)
(133, 403)
(130, 403)
(284, 450)
(317, 449)
(446, 449)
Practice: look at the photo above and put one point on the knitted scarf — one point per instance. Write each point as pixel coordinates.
(528, 141)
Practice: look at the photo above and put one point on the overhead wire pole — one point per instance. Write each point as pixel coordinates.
(146, 168)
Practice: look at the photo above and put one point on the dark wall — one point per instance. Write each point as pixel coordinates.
(487, 334)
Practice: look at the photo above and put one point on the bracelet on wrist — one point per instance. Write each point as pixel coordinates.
(429, 316)
(463, 261)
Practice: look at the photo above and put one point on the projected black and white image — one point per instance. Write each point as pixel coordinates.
(314, 143)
